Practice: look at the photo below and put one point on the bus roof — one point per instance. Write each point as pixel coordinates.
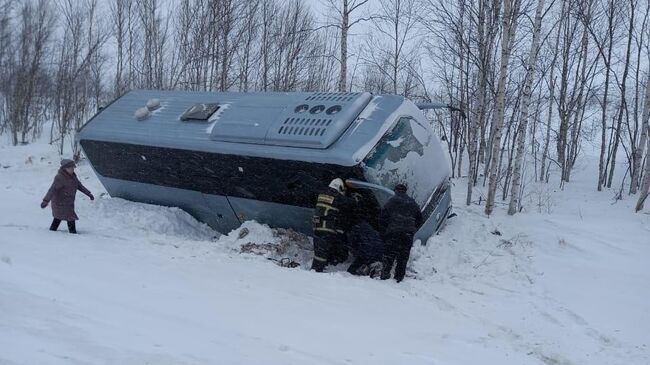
(309, 126)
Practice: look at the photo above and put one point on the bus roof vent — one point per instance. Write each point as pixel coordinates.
(319, 121)
(304, 126)
(327, 96)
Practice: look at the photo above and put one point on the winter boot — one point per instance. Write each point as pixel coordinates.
(55, 224)
(72, 227)
(318, 264)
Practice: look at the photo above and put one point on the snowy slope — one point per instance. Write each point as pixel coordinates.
(149, 285)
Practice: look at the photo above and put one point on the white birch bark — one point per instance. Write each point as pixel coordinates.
(510, 14)
(525, 105)
(645, 121)
(607, 59)
(623, 87)
(642, 140)
(345, 21)
(645, 185)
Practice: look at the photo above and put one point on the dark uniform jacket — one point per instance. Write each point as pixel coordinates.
(331, 214)
(401, 214)
(62, 194)
(365, 242)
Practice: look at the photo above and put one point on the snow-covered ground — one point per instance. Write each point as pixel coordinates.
(565, 283)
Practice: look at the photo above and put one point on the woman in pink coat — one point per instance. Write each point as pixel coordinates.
(62, 194)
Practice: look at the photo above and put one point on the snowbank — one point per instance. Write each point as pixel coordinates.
(112, 213)
(566, 284)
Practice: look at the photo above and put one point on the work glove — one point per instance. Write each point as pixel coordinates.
(43, 204)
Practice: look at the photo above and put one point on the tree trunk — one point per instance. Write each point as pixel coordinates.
(475, 124)
(510, 15)
(578, 102)
(545, 167)
(344, 47)
(513, 207)
(603, 123)
(645, 186)
(645, 128)
(396, 52)
(623, 107)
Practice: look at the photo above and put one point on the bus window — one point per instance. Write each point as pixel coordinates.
(404, 154)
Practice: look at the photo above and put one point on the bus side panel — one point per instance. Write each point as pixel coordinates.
(436, 220)
(273, 214)
(213, 210)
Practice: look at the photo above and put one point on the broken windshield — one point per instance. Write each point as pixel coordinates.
(405, 154)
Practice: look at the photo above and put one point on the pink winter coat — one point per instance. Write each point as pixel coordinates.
(62, 194)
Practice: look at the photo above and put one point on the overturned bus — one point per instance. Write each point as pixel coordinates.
(230, 157)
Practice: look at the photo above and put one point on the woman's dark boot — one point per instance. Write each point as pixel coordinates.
(72, 227)
(55, 224)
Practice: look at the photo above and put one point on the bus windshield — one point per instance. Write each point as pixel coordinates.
(406, 154)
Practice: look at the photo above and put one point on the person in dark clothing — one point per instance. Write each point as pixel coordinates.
(62, 194)
(366, 246)
(330, 221)
(400, 218)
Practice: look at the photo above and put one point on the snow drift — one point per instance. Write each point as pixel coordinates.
(148, 284)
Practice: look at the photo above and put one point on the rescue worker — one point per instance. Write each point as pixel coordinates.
(400, 218)
(363, 239)
(62, 194)
(331, 217)
(366, 246)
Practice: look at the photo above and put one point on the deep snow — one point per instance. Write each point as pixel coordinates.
(564, 283)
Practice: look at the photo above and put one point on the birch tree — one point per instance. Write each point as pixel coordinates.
(645, 185)
(623, 88)
(344, 10)
(397, 22)
(576, 71)
(488, 18)
(154, 37)
(544, 168)
(509, 27)
(638, 145)
(525, 104)
(645, 120)
(5, 45)
(26, 68)
(119, 10)
(74, 81)
(605, 47)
